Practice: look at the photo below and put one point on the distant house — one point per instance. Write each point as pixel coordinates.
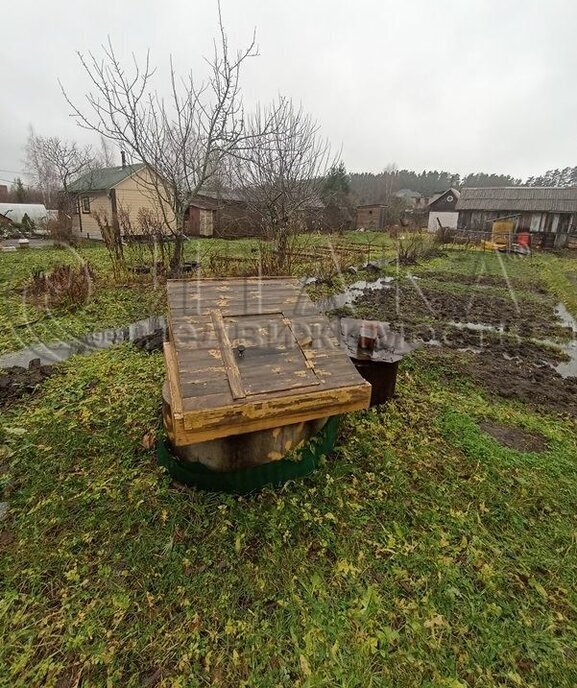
(413, 199)
(548, 213)
(443, 209)
(372, 216)
(15, 213)
(117, 194)
(226, 214)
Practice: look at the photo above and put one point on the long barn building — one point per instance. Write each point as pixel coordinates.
(550, 213)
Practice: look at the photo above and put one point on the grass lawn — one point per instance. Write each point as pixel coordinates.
(422, 553)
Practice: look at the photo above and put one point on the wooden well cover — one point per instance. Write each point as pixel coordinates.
(249, 354)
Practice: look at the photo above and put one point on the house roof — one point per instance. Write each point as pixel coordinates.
(438, 196)
(204, 202)
(407, 193)
(214, 199)
(16, 211)
(519, 198)
(104, 178)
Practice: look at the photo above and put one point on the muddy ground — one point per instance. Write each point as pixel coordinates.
(410, 305)
(514, 438)
(538, 386)
(506, 363)
(15, 382)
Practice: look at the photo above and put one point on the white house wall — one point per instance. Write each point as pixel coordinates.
(447, 219)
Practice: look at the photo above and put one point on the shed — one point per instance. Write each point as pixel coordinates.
(443, 209)
(252, 354)
(200, 216)
(371, 216)
(547, 211)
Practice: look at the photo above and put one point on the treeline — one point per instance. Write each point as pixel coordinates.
(368, 187)
(565, 177)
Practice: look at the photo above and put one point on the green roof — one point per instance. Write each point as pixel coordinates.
(104, 178)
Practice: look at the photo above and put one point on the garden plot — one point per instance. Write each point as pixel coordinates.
(512, 335)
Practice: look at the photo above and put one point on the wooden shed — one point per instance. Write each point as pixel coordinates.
(251, 355)
(548, 214)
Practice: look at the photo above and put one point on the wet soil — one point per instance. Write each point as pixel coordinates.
(514, 438)
(528, 381)
(506, 361)
(408, 306)
(535, 286)
(506, 346)
(151, 342)
(15, 382)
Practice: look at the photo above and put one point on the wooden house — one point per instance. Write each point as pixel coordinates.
(549, 214)
(443, 209)
(116, 194)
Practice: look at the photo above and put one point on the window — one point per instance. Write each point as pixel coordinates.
(85, 204)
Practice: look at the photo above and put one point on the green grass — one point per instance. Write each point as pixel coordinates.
(117, 302)
(422, 553)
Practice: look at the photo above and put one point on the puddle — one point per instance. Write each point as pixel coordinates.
(567, 368)
(477, 327)
(59, 351)
(567, 319)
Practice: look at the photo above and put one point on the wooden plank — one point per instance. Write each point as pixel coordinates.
(286, 371)
(173, 378)
(227, 356)
(286, 409)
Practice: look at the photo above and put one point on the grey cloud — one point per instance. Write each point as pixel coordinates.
(464, 85)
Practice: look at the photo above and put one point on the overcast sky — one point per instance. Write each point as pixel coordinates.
(461, 85)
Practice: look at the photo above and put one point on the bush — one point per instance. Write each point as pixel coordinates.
(416, 247)
(66, 286)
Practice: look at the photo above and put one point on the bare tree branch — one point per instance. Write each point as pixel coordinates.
(184, 138)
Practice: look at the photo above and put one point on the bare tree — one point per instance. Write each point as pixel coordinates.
(106, 153)
(389, 181)
(183, 138)
(281, 175)
(53, 163)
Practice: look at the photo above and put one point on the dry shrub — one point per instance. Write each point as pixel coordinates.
(60, 231)
(220, 265)
(113, 242)
(445, 235)
(65, 286)
(416, 247)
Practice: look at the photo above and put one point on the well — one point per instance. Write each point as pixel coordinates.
(254, 371)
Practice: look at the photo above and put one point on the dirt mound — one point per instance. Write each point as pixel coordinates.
(151, 342)
(15, 382)
(514, 438)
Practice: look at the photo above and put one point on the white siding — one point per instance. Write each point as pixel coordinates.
(447, 219)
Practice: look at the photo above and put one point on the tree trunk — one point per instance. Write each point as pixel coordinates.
(177, 254)
(177, 257)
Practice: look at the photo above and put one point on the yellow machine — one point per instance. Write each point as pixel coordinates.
(502, 234)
